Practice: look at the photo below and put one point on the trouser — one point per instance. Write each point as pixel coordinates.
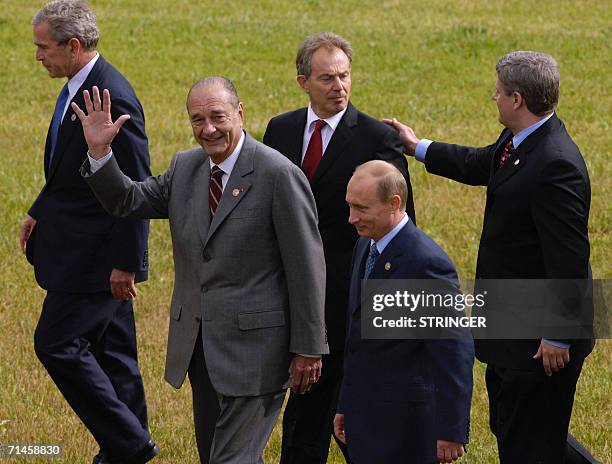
(87, 344)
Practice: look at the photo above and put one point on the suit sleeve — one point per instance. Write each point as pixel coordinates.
(295, 223)
(452, 362)
(129, 237)
(121, 196)
(392, 151)
(560, 212)
(467, 165)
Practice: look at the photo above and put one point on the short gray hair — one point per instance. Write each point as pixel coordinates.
(534, 75)
(311, 44)
(221, 81)
(390, 180)
(69, 19)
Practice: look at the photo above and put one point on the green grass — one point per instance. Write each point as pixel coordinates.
(428, 63)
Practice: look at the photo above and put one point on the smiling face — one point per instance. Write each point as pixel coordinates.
(329, 83)
(216, 123)
(59, 59)
(372, 217)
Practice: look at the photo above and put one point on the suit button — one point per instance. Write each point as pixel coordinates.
(198, 318)
(206, 256)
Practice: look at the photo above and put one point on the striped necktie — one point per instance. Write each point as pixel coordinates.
(215, 189)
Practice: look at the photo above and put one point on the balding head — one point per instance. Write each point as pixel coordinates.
(376, 196)
(389, 179)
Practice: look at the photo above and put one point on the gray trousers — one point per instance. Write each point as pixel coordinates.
(229, 430)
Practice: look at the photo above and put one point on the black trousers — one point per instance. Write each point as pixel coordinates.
(530, 412)
(308, 419)
(87, 344)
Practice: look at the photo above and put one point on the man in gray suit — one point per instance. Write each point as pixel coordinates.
(247, 308)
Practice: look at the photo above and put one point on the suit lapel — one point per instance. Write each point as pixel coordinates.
(71, 124)
(200, 201)
(335, 148)
(237, 186)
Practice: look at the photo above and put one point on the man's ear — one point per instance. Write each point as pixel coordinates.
(396, 201)
(75, 45)
(517, 100)
(303, 82)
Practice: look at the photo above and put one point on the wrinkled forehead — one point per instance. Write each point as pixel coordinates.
(212, 98)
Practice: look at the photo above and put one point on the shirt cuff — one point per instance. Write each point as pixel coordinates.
(310, 355)
(556, 343)
(95, 165)
(421, 149)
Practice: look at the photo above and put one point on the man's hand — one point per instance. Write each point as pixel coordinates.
(406, 134)
(25, 229)
(122, 284)
(449, 451)
(304, 372)
(553, 358)
(98, 126)
(339, 428)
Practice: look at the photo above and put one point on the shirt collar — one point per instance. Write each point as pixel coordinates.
(332, 121)
(79, 78)
(386, 239)
(522, 135)
(227, 165)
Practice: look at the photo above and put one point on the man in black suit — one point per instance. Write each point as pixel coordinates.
(328, 139)
(87, 261)
(535, 227)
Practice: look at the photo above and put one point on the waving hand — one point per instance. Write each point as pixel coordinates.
(98, 127)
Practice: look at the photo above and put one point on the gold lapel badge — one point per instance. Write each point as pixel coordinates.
(237, 192)
(387, 266)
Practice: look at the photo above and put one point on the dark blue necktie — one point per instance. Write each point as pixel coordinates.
(371, 261)
(57, 119)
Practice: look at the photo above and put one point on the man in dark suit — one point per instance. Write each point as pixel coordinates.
(535, 227)
(328, 139)
(401, 400)
(87, 260)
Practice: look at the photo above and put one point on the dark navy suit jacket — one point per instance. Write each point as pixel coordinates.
(75, 243)
(399, 394)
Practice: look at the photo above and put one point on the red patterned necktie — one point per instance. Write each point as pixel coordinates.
(314, 152)
(215, 189)
(507, 153)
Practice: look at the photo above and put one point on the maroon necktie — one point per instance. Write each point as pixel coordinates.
(215, 189)
(314, 152)
(507, 153)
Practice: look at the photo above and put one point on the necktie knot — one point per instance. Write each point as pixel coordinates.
(217, 173)
(319, 124)
(371, 261)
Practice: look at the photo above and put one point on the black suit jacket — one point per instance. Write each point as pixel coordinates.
(535, 221)
(357, 139)
(75, 243)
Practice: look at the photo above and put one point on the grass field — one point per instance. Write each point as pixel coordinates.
(428, 63)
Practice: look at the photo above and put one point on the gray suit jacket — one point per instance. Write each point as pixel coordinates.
(254, 277)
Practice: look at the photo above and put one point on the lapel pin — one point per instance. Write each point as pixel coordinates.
(236, 192)
(73, 117)
(387, 266)
(517, 162)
